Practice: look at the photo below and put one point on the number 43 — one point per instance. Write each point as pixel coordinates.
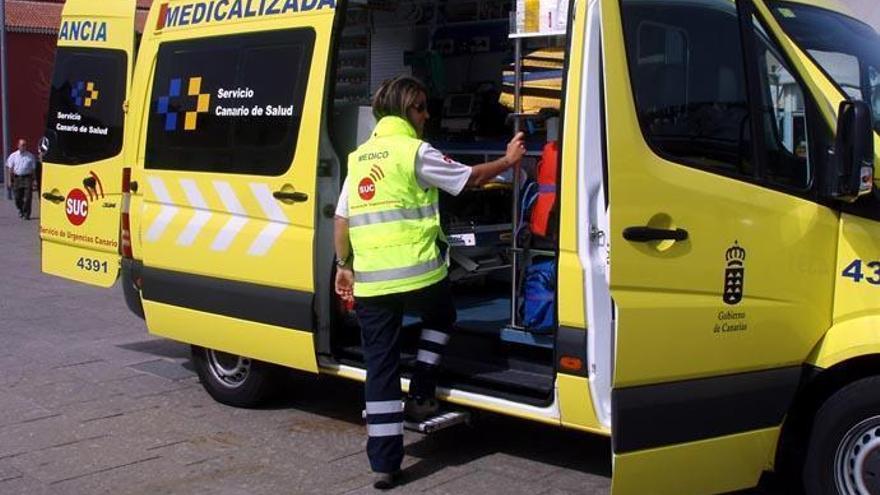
(854, 271)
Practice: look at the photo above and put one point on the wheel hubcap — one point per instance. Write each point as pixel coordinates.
(228, 369)
(857, 462)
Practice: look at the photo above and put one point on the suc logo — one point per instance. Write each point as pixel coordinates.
(367, 189)
(77, 207)
(165, 105)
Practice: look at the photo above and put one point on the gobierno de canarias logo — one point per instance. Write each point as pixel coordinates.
(76, 207)
(197, 101)
(84, 93)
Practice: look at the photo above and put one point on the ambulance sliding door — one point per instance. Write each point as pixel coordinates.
(720, 253)
(229, 170)
(82, 162)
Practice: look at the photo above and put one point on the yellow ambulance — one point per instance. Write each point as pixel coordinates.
(706, 292)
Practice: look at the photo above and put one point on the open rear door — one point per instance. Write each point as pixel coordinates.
(82, 147)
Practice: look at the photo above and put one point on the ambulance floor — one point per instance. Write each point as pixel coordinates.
(477, 359)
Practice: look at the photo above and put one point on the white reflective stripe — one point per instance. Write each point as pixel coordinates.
(166, 212)
(398, 273)
(428, 357)
(201, 217)
(278, 221)
(384, 407)
(435, 336)
(385, 429)
(392, 215)
(238, 220)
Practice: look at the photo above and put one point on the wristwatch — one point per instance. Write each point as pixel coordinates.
(340, 263)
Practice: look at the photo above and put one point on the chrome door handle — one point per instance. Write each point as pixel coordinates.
(647, 234)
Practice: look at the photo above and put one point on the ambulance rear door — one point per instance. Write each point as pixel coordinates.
(82, 147)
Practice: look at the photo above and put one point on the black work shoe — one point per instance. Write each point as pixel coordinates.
(416, 410)
(386, 481)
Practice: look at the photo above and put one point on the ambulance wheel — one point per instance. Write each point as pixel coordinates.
(235, 380)
(844, 448)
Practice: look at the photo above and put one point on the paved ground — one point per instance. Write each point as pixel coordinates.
(89, 403)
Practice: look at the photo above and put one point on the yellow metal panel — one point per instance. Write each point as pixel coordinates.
(856, 337)
(291, 348)
(571, 291)
(108, 24)
(856, 330)
(576, 404)
(719, 465)
(568, 161)
(65, 260)
(673, 323)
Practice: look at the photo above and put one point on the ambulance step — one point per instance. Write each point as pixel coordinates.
(440, 422)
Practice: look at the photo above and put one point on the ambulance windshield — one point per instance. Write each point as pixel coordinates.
(84, 122)
(846, 49)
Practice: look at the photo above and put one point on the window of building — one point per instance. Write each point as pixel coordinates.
(230, 104)
(85, 118)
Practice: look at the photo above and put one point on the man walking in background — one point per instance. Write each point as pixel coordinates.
(22, 166)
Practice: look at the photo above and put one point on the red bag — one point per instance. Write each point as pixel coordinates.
(548, 170)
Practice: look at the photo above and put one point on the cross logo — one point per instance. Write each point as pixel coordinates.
(84, 93)
(194, 90)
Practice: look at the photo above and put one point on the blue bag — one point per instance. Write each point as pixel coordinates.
(539, 298)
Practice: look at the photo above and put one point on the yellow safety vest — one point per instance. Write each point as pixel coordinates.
(393, 223)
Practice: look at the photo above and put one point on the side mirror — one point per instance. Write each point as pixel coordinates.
(850, 171)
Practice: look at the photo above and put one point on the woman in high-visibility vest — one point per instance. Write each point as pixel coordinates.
(388, 257)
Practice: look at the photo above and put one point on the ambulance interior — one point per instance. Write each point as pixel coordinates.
(503, 238)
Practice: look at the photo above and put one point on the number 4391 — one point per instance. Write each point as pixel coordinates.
(854, 271)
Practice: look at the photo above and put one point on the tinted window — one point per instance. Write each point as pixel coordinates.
(229, 104)
(688, 75)
(847, 50)
(85, 116)
(785, 120)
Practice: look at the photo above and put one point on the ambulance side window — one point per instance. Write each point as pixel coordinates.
(689, 80)
(229, 104)
(785, 118)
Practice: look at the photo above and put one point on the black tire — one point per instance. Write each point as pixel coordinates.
(843, 456)
(235, 380)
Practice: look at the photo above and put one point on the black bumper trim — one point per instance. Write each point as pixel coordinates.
(259, 303)
(653, 416)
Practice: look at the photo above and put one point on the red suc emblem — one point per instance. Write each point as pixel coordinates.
(367, 189)
(77, 207)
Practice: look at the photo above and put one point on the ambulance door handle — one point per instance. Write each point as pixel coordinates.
(647, 234)
(296, 197)
(55, 198)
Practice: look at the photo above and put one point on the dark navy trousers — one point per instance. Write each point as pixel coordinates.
(380, 319)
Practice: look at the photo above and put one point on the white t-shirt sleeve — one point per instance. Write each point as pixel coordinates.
(433, 168)
(342, 204)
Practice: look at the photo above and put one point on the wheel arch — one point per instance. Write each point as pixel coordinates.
(849, 351)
